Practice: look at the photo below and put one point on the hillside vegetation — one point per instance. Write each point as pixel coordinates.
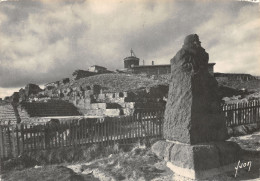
(251, 85)
(117, 82)
(126, 82)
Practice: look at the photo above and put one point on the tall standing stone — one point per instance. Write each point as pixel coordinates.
(193, 112)
(194, 127)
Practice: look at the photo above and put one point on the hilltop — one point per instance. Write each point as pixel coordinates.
(116, 82)
(126, 82)
(119, 82)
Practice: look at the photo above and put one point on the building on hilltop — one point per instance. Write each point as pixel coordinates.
(131, 64)
(97, 69)
(131, 61)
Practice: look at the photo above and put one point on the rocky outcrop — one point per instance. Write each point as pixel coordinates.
(32, 89)
(78, 74)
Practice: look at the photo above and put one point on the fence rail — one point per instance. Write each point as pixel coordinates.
(242, 113)
(17, 139)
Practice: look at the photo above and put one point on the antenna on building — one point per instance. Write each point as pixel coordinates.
(132, 53)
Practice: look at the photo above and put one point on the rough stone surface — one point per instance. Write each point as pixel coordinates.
(32, 89)
(243, 129)
(229, 152)
(239, 130)
(112, 112)
(161, 149)
(193, 112)
(230, 131)
(195, 157)
(198, 157)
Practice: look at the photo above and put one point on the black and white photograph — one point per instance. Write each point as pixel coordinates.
(129, 90)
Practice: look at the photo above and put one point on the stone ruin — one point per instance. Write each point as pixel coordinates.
(90, 100)
(194, 128)
(94, 102)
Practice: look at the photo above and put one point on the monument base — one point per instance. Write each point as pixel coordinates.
(198, 161)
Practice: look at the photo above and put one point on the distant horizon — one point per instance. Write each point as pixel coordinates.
(16, 89)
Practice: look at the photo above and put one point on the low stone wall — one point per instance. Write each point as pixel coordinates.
(98, 106)
(230, 76)
(112, 112)
(93, 112)
(118, 97)
(102, 112)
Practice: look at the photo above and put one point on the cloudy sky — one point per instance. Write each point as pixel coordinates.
(43, 41)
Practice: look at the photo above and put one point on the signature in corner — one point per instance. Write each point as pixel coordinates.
(243, 165)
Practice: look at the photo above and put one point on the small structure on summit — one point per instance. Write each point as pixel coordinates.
(131, 61)
(98, 69)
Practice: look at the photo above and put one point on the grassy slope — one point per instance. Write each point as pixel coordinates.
(138, 164)
(54, 172)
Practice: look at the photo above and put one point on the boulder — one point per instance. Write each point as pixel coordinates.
(161, 149)
(32, 89)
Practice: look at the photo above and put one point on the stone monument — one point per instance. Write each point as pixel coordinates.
(194, 126)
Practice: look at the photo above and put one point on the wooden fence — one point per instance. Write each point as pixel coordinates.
(242, 113)
(17, 139)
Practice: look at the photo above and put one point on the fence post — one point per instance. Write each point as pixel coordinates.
(254, 112)
(243, 105)
(257, 111)
(31, 137)
(46, 136)
(13, 142)
(160, 125)
(22, 136)
(1, 143)
(9, 148)
(229, 115)
(234, 114)
(18, 140)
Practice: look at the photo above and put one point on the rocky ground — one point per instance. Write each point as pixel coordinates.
(127, 82)
(137, 164)
(116, 82)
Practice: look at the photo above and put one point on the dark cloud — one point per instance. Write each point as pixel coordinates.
(17, 12)
(44, 41)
